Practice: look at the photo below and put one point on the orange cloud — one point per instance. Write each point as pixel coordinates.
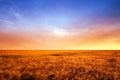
(100, 38)
(103, 37)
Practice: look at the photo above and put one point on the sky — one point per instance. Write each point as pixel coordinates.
(60, 24)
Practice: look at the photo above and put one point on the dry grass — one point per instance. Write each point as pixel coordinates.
(86, 65)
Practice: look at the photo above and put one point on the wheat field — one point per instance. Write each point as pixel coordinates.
(59, 65)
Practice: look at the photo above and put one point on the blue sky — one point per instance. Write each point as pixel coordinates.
(48, 19)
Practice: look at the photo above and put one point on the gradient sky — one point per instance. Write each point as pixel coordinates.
(59, 24)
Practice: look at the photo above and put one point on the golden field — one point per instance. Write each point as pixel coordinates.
(59, 65)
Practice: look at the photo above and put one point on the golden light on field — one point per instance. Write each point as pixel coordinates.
(59, 64)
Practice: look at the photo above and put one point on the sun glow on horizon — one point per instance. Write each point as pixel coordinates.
(60, 32)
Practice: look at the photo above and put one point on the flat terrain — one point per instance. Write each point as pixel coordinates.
(59, 65)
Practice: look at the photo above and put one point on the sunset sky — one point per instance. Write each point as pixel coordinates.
(60, 24)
